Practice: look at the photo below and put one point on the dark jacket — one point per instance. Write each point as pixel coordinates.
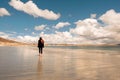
(41, 43)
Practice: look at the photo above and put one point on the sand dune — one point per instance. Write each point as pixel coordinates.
(8, 42)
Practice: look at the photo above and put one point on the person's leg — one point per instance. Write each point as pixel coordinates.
(41, 50)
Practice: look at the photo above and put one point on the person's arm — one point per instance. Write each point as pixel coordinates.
(38, 44)
(43, 43)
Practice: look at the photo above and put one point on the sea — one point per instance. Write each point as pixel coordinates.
(113, 48)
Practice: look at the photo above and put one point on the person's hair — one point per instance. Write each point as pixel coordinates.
(40, 38)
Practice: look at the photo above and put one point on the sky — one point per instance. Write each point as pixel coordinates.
(61, 21)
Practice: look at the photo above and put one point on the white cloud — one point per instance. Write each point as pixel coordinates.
(4, 12)
(90, 30)
(27, 38)
(62, 24)
(87, 27)
(64, 38)
(32, 9)
(40, 27)
(33, 33)
(93, 15)
(57, 38)
(4, 35)
(26, 29)
(47, 28)
(111, 17)
(87, 31)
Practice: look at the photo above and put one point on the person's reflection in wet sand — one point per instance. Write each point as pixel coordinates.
(39, 68)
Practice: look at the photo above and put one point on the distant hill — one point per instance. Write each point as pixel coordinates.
(9, 42)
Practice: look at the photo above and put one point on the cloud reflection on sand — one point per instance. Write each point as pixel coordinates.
(23, 63)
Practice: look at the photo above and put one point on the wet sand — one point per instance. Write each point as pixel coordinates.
(23, 63)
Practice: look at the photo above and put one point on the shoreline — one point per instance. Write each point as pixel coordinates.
(26, 44)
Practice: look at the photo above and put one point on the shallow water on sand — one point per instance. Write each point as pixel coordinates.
(23, 63)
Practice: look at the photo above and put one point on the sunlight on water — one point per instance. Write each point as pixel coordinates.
(23, 63)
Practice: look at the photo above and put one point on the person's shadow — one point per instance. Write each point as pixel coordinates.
(39, 68)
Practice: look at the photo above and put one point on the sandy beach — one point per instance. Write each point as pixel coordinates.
(23, 63)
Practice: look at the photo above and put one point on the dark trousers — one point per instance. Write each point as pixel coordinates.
(40, 50)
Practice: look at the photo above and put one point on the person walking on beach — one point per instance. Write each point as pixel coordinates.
(40, 45)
